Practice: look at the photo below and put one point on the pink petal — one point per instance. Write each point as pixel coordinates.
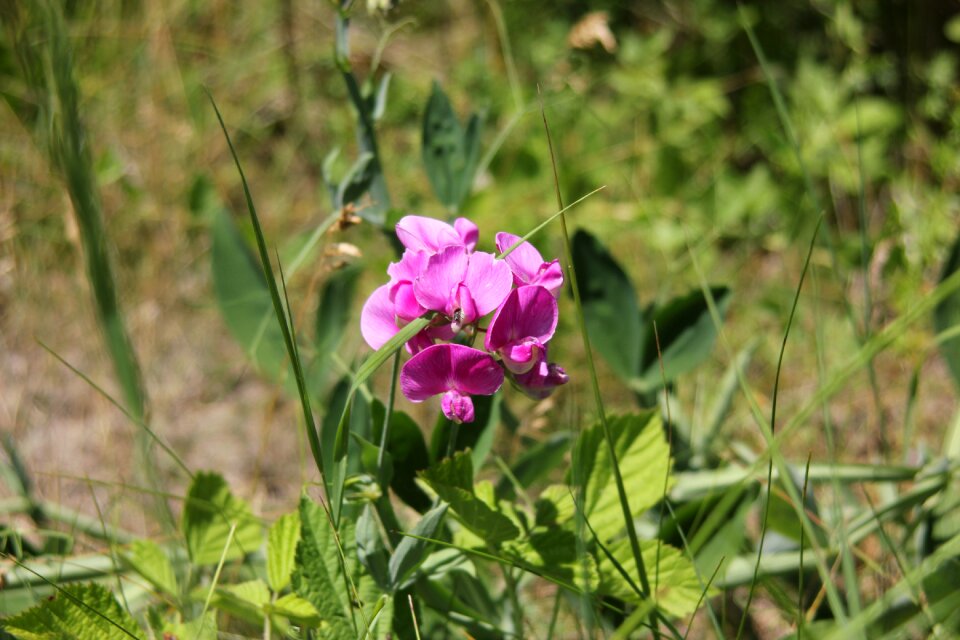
(405, 305)
(437, 283)
(474, 371)
(377, 321)
(542, 379)
(426, 234)
(489, 281)
(468, 232)
(408, 268)
(522, 355)
(445, 367)
(528, 312)
(550, 277)
(524, 260)
(457, 407)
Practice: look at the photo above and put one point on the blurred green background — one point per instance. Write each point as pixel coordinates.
(663, 103)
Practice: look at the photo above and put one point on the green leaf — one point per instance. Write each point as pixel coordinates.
(244, 299)
(333, 310)
(244, 600)
(76, 612)
(149, 560)
(209, 512)
(282, 550)
(204, 628)
(410, 551)
(450, 154)
(409, 454)
(644, 458)
(946, 315)
(357, 181)
(610, 306)
(677, 586)
(452, 479)
(687, 334)
(295, 608)
(371, 551)
(318, 577)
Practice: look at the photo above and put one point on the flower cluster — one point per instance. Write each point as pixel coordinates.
(441, 272)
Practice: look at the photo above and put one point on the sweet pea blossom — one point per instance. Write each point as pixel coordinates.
(521, 327)
(463, 286)
(454, 370)
(527, 264)
(441, 272)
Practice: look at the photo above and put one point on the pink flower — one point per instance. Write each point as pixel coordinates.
(454, 370)
(528, 266)
(521, 327)
(430, 235)
(463, 286)
(540, 381)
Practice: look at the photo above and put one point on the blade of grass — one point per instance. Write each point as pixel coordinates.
(847, 560)
(313, 436)
(595, 384)
(216, 579)
(48, 69)
(773, 424)
(800, 616)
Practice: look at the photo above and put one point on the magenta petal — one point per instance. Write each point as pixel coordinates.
(405, 305)
(457, 407)
(528, 312)
(550, 277)
(525, 261)
(408, 268)
(377, 321)
(542, 379)
(489, 281)
(426, 234)
(427, 373)
(438, 280)
(468, 232)
(474, 372)
(445, 367)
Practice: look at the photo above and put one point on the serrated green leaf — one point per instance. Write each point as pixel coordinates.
(295, 608)
(244, 600)
(282, 550)
(677, 586)
(149, 560)
(686, 332)
(452, 480)
(209, 512)
(76, 612)
(610, 306)
(644, 458)
(244, 299)
(318, 575)
(204, 628)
